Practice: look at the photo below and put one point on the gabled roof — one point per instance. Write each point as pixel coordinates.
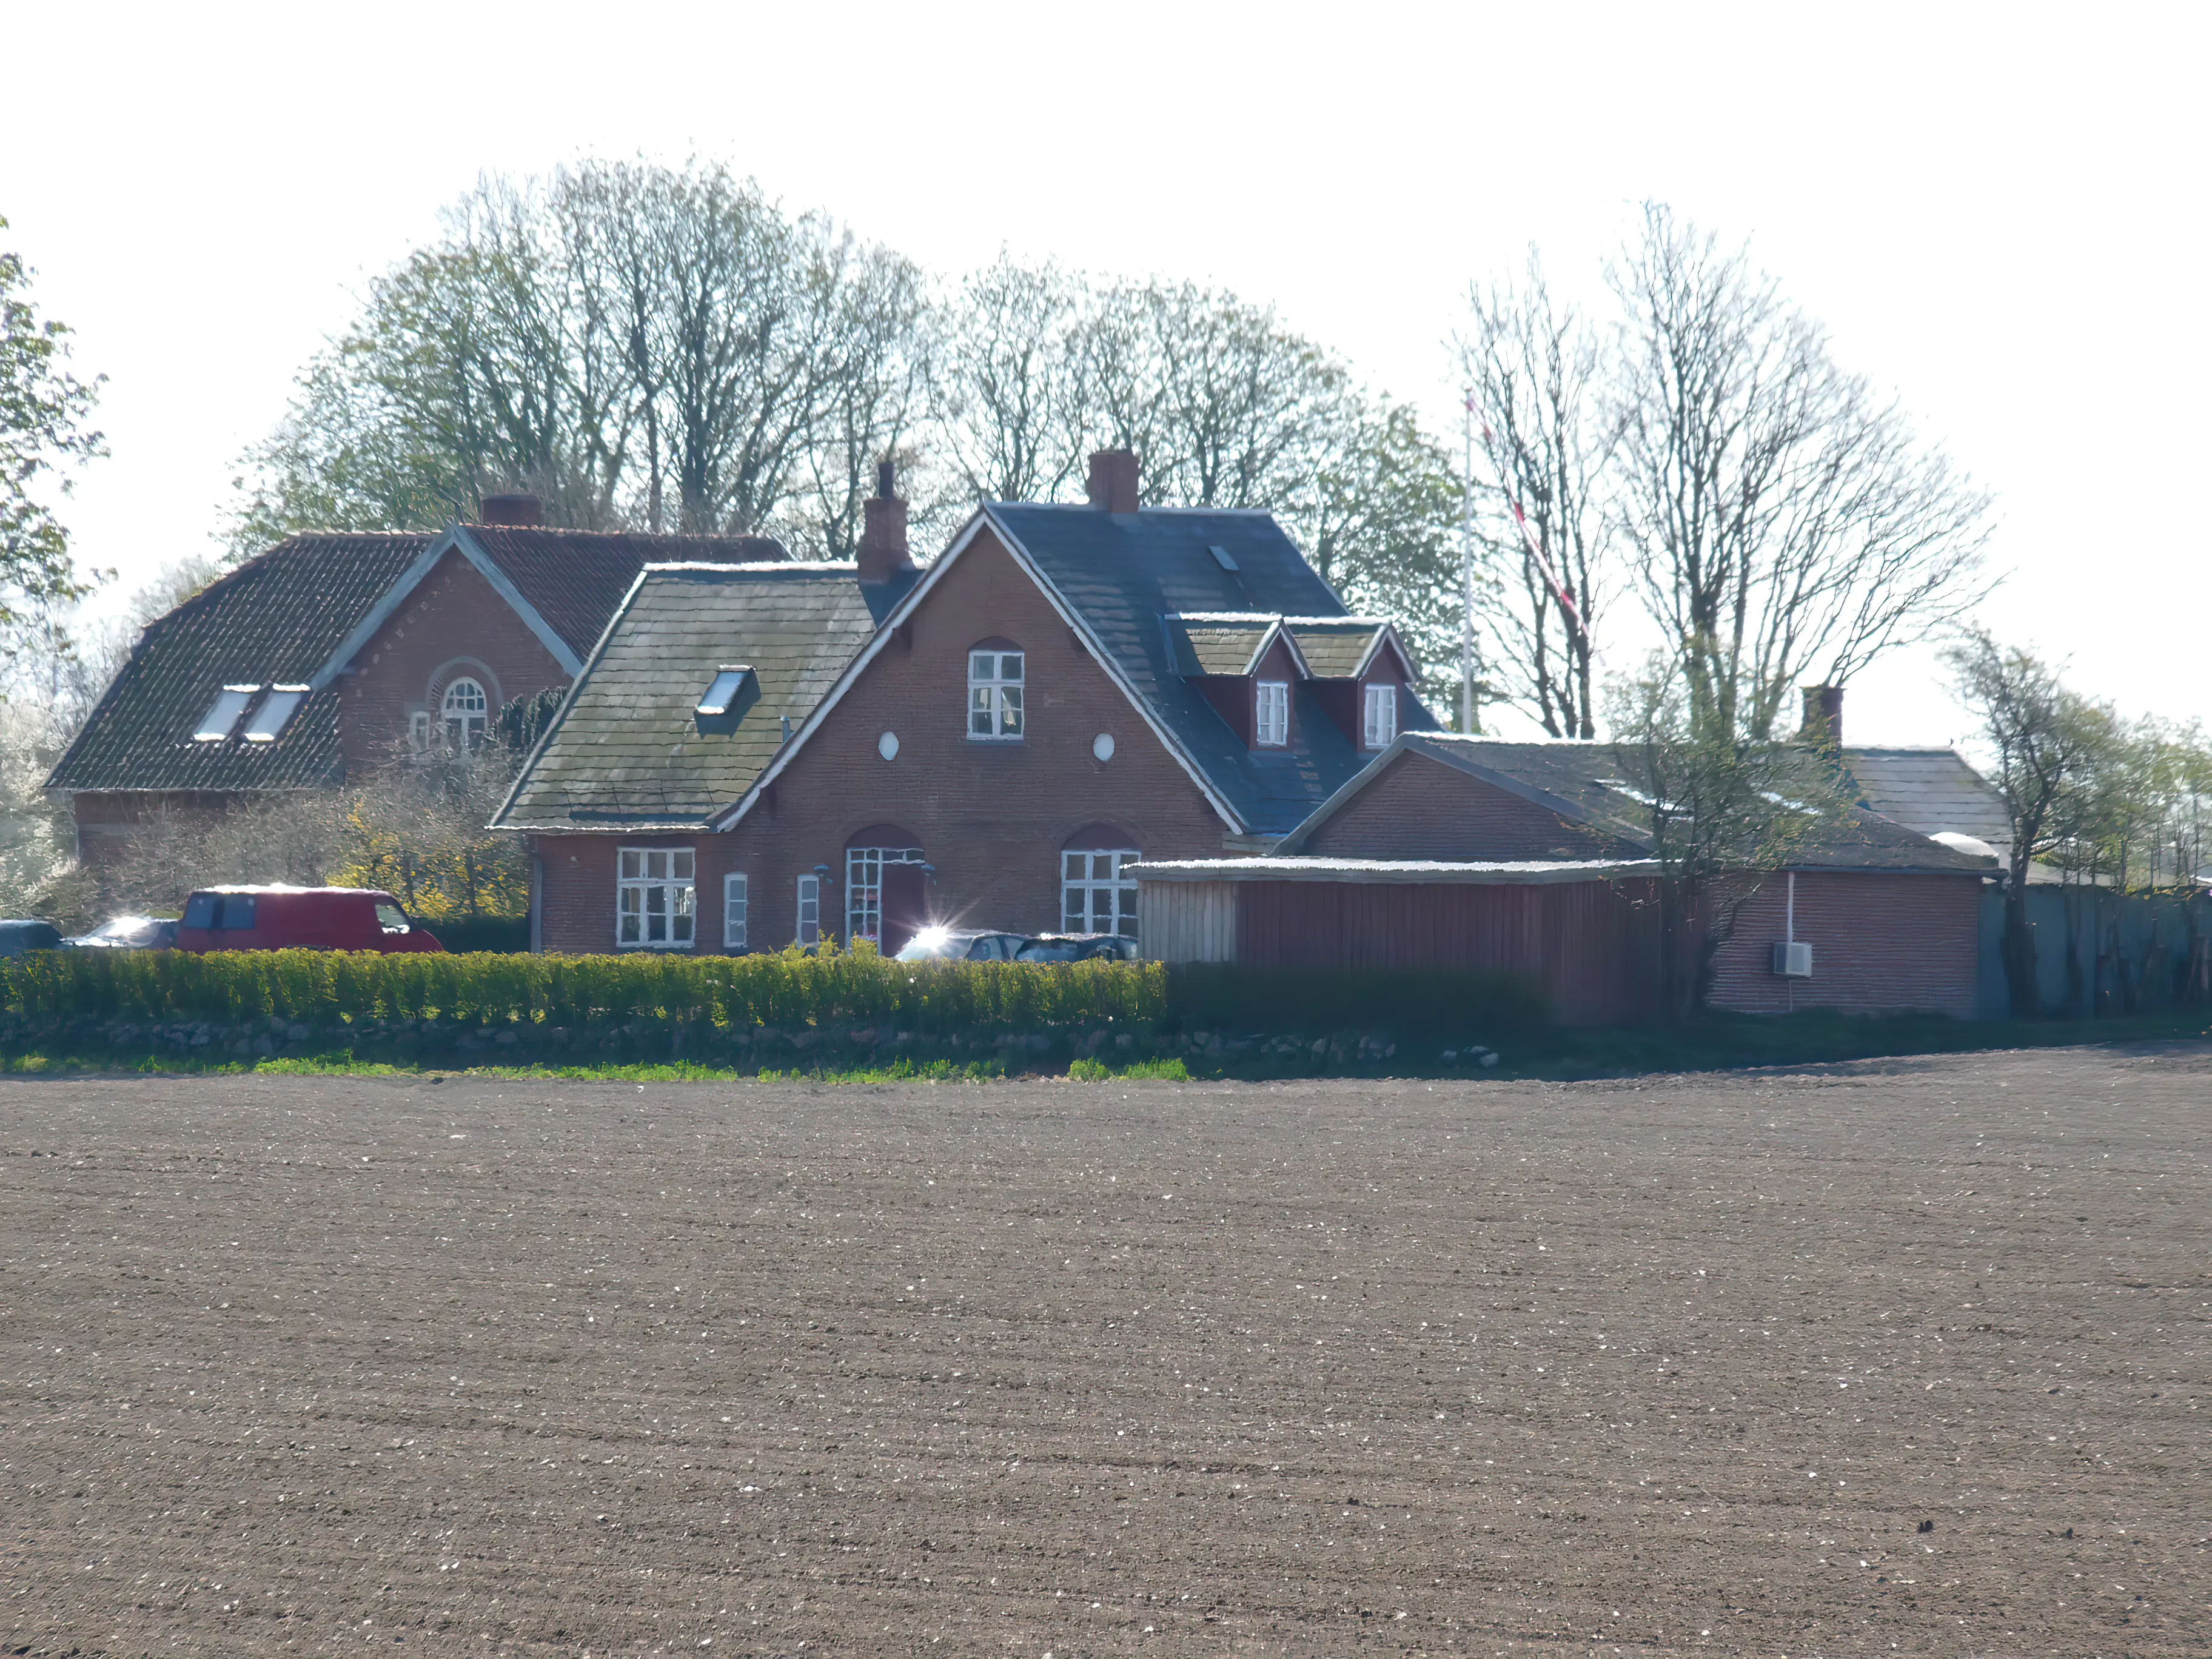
(1220, 643)
(1590, 783)
(1114, 577)
(627, 751)
(1341, 648)
(276, 620)
(301, 612)
(1933, 790)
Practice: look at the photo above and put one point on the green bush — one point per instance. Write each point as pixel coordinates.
(1406, 1002)
(726, 993)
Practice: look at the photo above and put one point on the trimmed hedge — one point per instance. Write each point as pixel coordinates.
(787, 991)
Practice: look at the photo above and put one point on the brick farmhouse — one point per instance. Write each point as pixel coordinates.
(759, 755)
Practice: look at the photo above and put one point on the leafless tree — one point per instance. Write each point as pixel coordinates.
(1781, 519)
(1012, 385)
(1532, 368)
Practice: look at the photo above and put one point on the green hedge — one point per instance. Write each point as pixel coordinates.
(787, 991)
(507, 934)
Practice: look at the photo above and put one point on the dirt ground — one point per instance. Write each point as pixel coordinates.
(1903, 1357)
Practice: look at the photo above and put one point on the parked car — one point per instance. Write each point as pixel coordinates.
(1078, 947)
(299, 918)
(128, 933)
(17, 937)
(961, 945)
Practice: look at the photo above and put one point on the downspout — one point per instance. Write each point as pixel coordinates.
(1789, 938)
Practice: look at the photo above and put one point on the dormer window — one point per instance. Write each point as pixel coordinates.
(1380, 704)
(723, 692)
(1271, 720)
(994, 696)
(734, 688)
(275, 713)
(221, 717)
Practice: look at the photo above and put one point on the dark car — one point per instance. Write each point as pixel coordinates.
(17, 937)
(1078, 947)
(128, 933)
(299, 918)
(961, 945)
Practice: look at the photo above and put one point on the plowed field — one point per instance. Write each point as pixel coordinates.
(1908, 1356)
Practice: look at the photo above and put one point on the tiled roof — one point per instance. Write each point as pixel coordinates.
(1590, 782)
(626, 750)
(1930, 790)
(1216, 645)
(575, 578)
(1334, 648)
(1124, 572)
(273, 621)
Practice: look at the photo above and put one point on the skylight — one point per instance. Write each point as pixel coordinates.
(1221, 558)
(275, 713)
(221, 717)
(723, 692)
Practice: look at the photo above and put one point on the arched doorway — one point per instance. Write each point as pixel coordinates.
(886, 887)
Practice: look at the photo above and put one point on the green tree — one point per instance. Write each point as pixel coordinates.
(43, 408)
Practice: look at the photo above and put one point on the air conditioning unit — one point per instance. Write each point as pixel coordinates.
(1794, 960)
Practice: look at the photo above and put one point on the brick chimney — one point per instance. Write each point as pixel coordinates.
(882, 553)
(1823, 723)
(1114, 480)
(526, 510)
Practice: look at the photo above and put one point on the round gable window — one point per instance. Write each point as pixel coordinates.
(887, 745)
(1101, 747)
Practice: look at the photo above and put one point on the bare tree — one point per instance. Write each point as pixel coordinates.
(1782, 521)
(1531, 367)
(1012, 387)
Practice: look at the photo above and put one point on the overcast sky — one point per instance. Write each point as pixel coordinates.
(1998, 211)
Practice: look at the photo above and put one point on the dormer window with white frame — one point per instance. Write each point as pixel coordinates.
(1379, 709)
(995, 683)
(221, 717)
(1271, 716)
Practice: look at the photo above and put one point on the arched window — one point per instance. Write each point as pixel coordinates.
(467, 713)
(865, 855)
(1095, 895)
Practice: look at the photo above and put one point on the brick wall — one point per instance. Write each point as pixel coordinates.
(1420, 808)
(1881, 943)
(454, 623)
(992, 818)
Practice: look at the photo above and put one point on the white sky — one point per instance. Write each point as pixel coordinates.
(1999, 212)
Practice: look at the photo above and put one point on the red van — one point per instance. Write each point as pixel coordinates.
(299, 918)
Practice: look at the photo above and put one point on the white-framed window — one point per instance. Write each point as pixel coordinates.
(275, 713)
(864, 888)
(809, 910)
(1094, 896)
(733, 913)
(994, 696)
(467, 713)
(1271, 723)
(1381, 723)
(418, 730)
(655, 904)
(221, 717)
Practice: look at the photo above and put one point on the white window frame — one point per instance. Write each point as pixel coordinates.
(809, 930)
(419, 726)
(223, 713)
(1093, 891)
(733, 911)
(1379, 715)
(472, 719)
(864, 889)
(1271, 714)
(996, 711)
(656, 898)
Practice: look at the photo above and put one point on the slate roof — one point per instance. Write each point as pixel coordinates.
(279, 619)
(1123, 572)
(1930, 790)
(1589, 783)
(626, 751)
(273, 621)
(1334, 647)
(1216, 645)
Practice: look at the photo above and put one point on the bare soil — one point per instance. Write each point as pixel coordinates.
(1902, 1356)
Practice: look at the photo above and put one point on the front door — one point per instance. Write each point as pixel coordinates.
(905, 904)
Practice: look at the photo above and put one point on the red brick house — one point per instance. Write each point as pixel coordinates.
(314, 661)
(759, 755)
(1461, 852)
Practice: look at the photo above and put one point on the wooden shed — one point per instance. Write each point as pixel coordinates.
(1587, 931)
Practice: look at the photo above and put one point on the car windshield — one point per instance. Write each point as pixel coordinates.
(391, 918)
(932, 943)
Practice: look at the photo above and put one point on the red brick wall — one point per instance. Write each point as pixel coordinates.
(1881, 943)
(990, 817)
(1420, 808)
(454, 623)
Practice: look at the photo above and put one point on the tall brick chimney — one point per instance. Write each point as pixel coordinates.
(882, 552)
(1823, 723)
(523, 509)
(1114, 480)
